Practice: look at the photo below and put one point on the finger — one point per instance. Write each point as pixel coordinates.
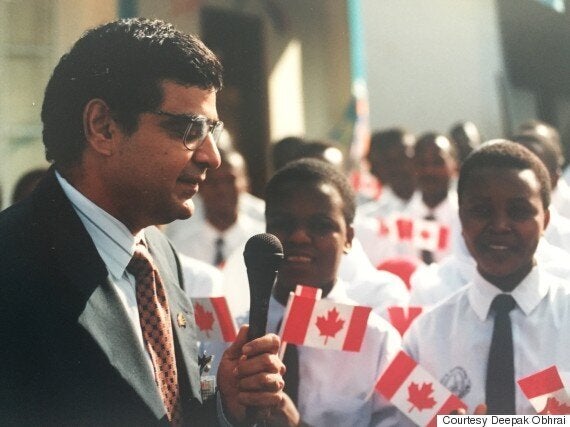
(480, 409)
(234, 351)
(262, 382)
(268, 343)
(261, 399)
(266, 362)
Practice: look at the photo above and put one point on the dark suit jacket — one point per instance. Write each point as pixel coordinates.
(68, 354)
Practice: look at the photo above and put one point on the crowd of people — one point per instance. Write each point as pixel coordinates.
(97, 322)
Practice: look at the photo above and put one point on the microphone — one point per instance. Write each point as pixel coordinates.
(263, 254)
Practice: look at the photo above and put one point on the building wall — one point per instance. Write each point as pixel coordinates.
(33, 35)
(432, 63)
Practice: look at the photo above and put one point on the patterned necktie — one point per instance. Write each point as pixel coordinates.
(156, 326)
(219, 256)
(500, 385)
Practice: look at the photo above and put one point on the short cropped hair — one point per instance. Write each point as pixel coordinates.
(123, 64)
(542, 147)
(383, 140)
(504, 154)
(434, 138)
(299, 173)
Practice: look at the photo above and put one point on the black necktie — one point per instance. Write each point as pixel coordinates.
(291, 377)
(500, 385)
(427, 256)
(219, 256)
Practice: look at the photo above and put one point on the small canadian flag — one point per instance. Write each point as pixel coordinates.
(214, 319)
(429, 235)
(415, 392)
(402, 317)
(308, 291)
(324, 324)
(545, 391)
(423, 234)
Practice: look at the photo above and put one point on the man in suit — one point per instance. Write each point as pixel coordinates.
(130, 126)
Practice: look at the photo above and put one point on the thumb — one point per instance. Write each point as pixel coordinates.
(234, 350)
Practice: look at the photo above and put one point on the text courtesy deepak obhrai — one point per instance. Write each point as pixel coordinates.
(503, 420)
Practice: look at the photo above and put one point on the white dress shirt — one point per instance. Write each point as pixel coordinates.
(198, 238)
(432, 284)
(200, 278)
(387, 204)
(452, 340)
(560, 198)
(116, 246)
(334, 385)
(366, 285)
(380, 247)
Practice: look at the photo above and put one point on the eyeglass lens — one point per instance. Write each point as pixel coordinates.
(198, 130)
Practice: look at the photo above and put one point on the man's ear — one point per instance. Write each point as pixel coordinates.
(349, 237)
(546, 219)
(99, 127)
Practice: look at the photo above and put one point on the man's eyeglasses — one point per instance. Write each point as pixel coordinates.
(193, 129)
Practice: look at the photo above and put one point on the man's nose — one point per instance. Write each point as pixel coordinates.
(208, 153)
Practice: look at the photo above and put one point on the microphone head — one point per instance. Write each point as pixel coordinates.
(263, 251)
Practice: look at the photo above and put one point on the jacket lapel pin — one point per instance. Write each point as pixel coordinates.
(181, 320)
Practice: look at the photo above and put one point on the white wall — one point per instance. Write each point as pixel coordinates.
(432, 63)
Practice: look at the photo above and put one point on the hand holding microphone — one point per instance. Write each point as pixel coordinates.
(250, 373)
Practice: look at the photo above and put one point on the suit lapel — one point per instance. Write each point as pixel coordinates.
(181, 313)
(103, 315)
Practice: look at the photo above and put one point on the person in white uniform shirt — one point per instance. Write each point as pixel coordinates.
(310, 208)
(504, 193)
(390, 157)
(558, 231)
(224, 227)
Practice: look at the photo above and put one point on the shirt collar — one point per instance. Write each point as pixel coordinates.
(113, 240)
(528, 294)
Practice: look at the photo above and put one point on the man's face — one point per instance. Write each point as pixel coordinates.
(152, 175)
(434, 166)
(310, 224)
(502, 218)
(395, 168)
(221, 190)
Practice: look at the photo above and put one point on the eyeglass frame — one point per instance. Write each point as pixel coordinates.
(215, 127)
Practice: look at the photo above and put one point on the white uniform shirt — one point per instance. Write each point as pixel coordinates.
(366, 285)
(557, 232)
(561, 198)
(452, 340)
(380, 247)
(432, 284)
(334, 385)
(200, 278)
(198, 238)
(387, 204)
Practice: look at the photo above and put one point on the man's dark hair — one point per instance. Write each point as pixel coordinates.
(504, 154)
(286, 150)
(438, 139)
(123, 64)
(543, 148)
(300, 173)
(383, 140)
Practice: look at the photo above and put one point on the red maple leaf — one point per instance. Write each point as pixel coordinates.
(554, 407)
(204, 319)
(330, 325)
(425, 234)
(420, 397)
